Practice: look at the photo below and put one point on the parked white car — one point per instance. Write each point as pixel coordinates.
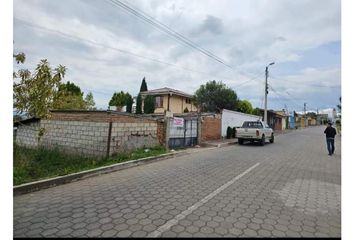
(254, 131)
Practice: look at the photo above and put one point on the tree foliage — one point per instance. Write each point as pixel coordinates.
(119, 99)
(139, 101)
(90, 102)
(34, 93)
(244, 106)
(69, 96)
(138, 104)
(256, 111)
(143, 86)
(129, 103)
(20, 57)
(215, 96)
(149, 104)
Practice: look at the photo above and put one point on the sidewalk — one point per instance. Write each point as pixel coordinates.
(219, 143)
(224, 141)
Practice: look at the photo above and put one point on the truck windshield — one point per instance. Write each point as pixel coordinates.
(252, 125)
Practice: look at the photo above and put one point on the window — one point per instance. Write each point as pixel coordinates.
(252, 125)
(188, 100)
(159, 101)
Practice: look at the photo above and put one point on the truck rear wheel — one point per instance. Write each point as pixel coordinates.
(262, 140)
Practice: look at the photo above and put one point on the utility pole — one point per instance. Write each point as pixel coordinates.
(305, 114)
(266, 92)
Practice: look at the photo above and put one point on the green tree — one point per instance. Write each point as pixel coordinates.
(143, 86)
(69, 96)
(185, 110)
(244, 106)
(215, 96)
(129, 103)
(20, 57)
(34, 93)
(139, 101)
(256, 111)
(71, 88)
(339, 106)
(149, 104)
(118, 99)
(90, 102)
(138, 104)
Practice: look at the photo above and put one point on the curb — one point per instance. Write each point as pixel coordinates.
(218, 145)
(52, 182)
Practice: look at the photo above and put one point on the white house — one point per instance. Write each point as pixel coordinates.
(235, 119)
(331, 112)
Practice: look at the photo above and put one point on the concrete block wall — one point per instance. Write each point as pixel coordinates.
(27, 135)
(87, 138)
(127, 137)
(87, 133)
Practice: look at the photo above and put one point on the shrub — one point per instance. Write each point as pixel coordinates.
(228, 132)
(186, 110)
(234, 132)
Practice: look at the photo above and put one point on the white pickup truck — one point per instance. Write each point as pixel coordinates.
(254, 131)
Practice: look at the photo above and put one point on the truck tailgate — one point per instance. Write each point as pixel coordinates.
(246, 133)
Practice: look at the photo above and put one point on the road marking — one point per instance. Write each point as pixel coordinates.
(188, 211)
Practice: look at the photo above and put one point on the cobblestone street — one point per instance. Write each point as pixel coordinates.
(291, 188)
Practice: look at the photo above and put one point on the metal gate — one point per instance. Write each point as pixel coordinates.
(183, 135)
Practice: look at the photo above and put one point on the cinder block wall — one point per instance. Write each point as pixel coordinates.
(211, 127)
(87, 132)
(87, 138)
(27, 135)
(128, 136)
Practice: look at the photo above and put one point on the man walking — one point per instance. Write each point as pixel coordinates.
(330, 134)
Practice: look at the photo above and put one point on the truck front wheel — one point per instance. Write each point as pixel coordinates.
(240, 141)
(272, 139)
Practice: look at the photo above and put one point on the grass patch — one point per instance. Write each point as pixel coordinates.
(41, 163)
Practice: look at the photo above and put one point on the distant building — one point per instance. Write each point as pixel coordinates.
(275, 119)
(331, 113)
(168, 99)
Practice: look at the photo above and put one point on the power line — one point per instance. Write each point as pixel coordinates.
(164, 28)
(170, 32)
(112, 48)
(125, 51)
(276, 92)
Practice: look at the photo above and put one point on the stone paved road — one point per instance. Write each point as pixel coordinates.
(294, 191)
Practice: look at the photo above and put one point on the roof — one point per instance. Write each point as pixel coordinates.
(279, 113)
(26, 121)
(165, 90)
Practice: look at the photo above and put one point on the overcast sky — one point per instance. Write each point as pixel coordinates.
(107, 49)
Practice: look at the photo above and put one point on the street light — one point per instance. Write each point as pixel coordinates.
(266, 91)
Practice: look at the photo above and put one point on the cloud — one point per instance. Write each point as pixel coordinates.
(212, 24)
(245, 34)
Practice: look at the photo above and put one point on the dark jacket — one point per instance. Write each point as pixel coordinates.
(330, 132)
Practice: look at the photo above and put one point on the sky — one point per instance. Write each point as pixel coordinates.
(106, 48)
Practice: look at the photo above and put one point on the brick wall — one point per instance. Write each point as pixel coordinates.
(87, 132)
(161, 132)
(211, 127)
